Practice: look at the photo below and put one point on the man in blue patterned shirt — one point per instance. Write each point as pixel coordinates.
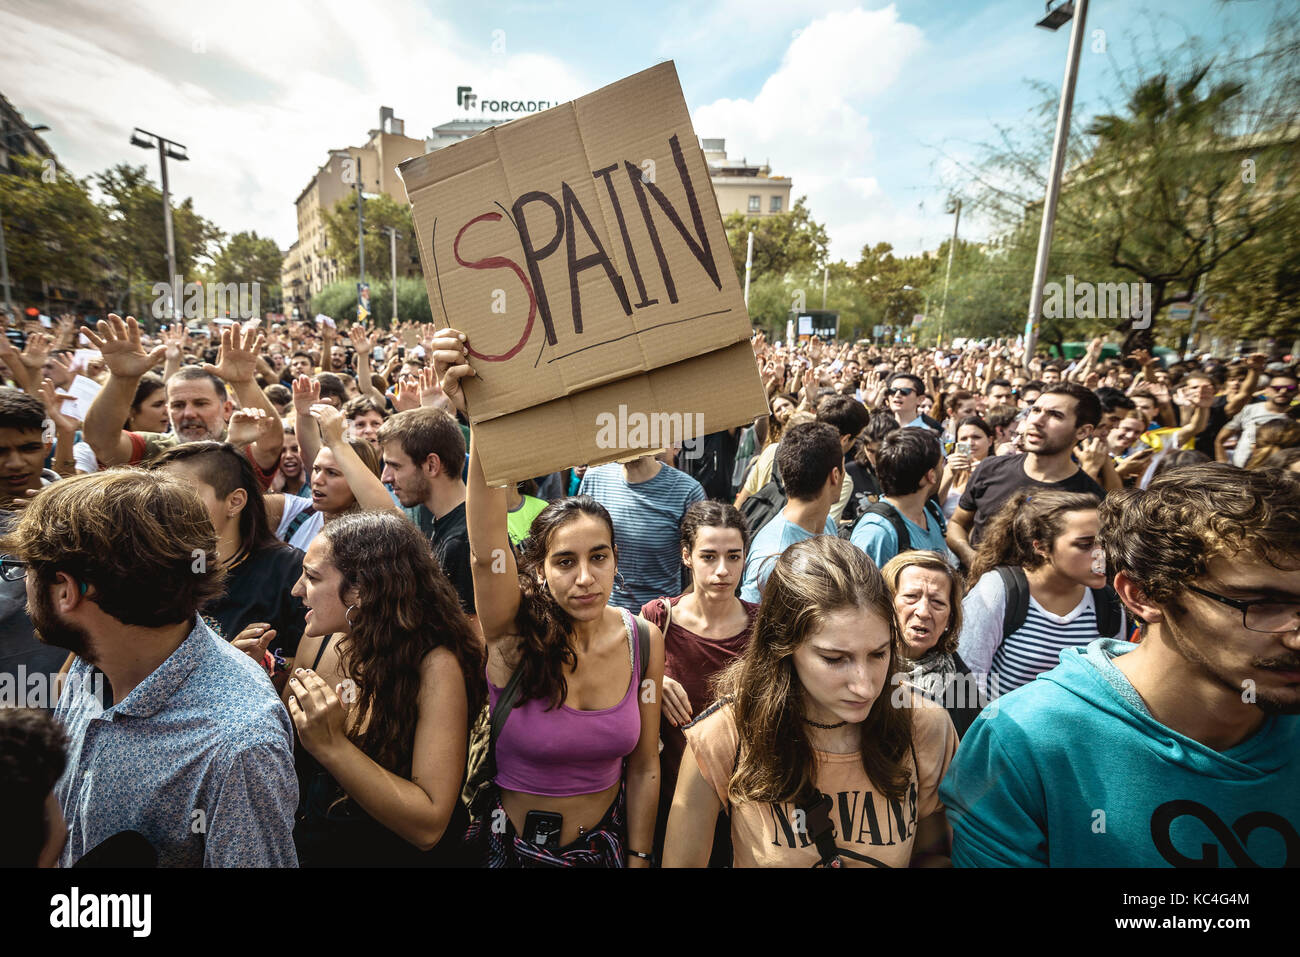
(194, 750)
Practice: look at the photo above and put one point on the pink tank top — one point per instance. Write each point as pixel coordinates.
(564, 751)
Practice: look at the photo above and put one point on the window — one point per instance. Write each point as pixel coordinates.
(756, 204)
(776, 205)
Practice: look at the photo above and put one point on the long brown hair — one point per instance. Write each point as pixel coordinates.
(1030, 515)
(811, 580)
(543, 626)
(406, 608)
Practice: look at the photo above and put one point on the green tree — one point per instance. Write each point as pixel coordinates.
(53, 230)
(1157, 190)
(380, 211)
(247, 257)
(783, 242)
(135, 244)
(338, 300)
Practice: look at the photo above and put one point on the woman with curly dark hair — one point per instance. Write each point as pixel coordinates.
(383, 713)
(577, 760)
(817, 751)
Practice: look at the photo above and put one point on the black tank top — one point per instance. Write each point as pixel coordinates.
(332, 830)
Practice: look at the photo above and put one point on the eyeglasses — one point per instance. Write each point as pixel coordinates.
(1284, 388)
(899, 391)
(1261, 614)
(11, 569)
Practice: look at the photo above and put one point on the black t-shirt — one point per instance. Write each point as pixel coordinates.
(451, 548)
(998, 478)
(866, 489)
(258, 589)
(1218, 419)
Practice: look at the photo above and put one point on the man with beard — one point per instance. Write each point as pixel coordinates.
(22, 453)
(196, 400)
(424, 456)
(1062, 416)
(185, 741)
(1183, 750)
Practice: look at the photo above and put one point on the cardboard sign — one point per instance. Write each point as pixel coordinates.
(582, 253)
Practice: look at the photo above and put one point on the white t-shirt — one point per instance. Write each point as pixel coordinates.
(84, 456)
(307, 530)
(1247, 421)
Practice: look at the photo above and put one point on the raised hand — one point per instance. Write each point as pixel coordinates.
(53, 400)
(119, 343)
(306, 393)
(174, 342)
(407, 394)
(331, 422)
(430, 391)
(362, 343)
(237, 360)
(247, 426)
(38, 348)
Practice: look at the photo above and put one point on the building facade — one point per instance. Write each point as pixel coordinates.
(742, 187)
(310, 265)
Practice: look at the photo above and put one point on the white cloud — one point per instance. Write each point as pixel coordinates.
(258, 108)
(810, 121)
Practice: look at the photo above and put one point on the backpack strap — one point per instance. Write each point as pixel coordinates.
(935, 511)
(1110, 616)
(895, 518)
(1017, 606)
(642, 643)
(505, 704)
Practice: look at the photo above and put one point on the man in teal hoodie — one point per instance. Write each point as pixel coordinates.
(1182, 750)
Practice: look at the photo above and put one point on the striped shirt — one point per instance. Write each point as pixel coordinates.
(647, 520)
(1004, 665)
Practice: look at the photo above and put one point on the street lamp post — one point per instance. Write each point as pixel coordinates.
(954, 207)
(1056, 16)
(393, 234)
(166, 148)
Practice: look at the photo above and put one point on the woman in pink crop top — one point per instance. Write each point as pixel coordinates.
(582, 741)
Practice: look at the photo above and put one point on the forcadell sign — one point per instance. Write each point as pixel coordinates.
(467, 98)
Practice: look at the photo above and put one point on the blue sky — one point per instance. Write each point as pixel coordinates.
(865, 105)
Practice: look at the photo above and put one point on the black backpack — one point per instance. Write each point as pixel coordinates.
(895, 519)
(1104, 600)
(765, 504)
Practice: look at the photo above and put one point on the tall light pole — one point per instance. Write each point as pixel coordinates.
(1055, 18)
(954, 206)
(6, 136)
(166, 148)
(393, 234)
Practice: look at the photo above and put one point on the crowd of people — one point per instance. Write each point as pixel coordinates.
(951, 605)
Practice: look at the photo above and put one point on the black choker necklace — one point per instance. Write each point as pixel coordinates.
(826, 727)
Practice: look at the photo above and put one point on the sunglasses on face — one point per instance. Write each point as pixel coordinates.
(1284, 388)
(899, 391)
